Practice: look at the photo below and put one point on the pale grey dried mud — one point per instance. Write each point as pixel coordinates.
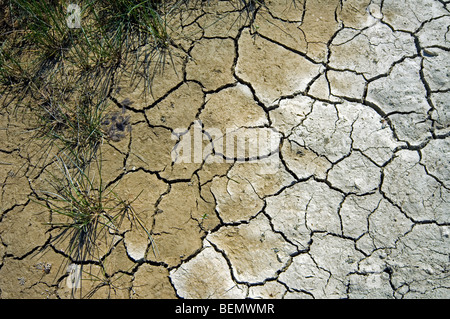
(352, 203)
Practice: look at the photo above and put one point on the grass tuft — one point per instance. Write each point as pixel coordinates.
(73, 128)
(87, 215)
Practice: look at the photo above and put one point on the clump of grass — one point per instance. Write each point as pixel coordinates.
(45, 25)
(68, 71)
(11, 71)
(16, 68)
(86, 208)
(86, 214)
(72, 127)
(110, 33)
(126, 18)
(138, 30)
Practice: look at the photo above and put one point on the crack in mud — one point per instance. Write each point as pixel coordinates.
(351, 203)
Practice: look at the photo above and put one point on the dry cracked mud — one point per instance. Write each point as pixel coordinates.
(353, 201)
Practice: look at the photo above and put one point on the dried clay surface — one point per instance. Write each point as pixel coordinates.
(350, 199)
